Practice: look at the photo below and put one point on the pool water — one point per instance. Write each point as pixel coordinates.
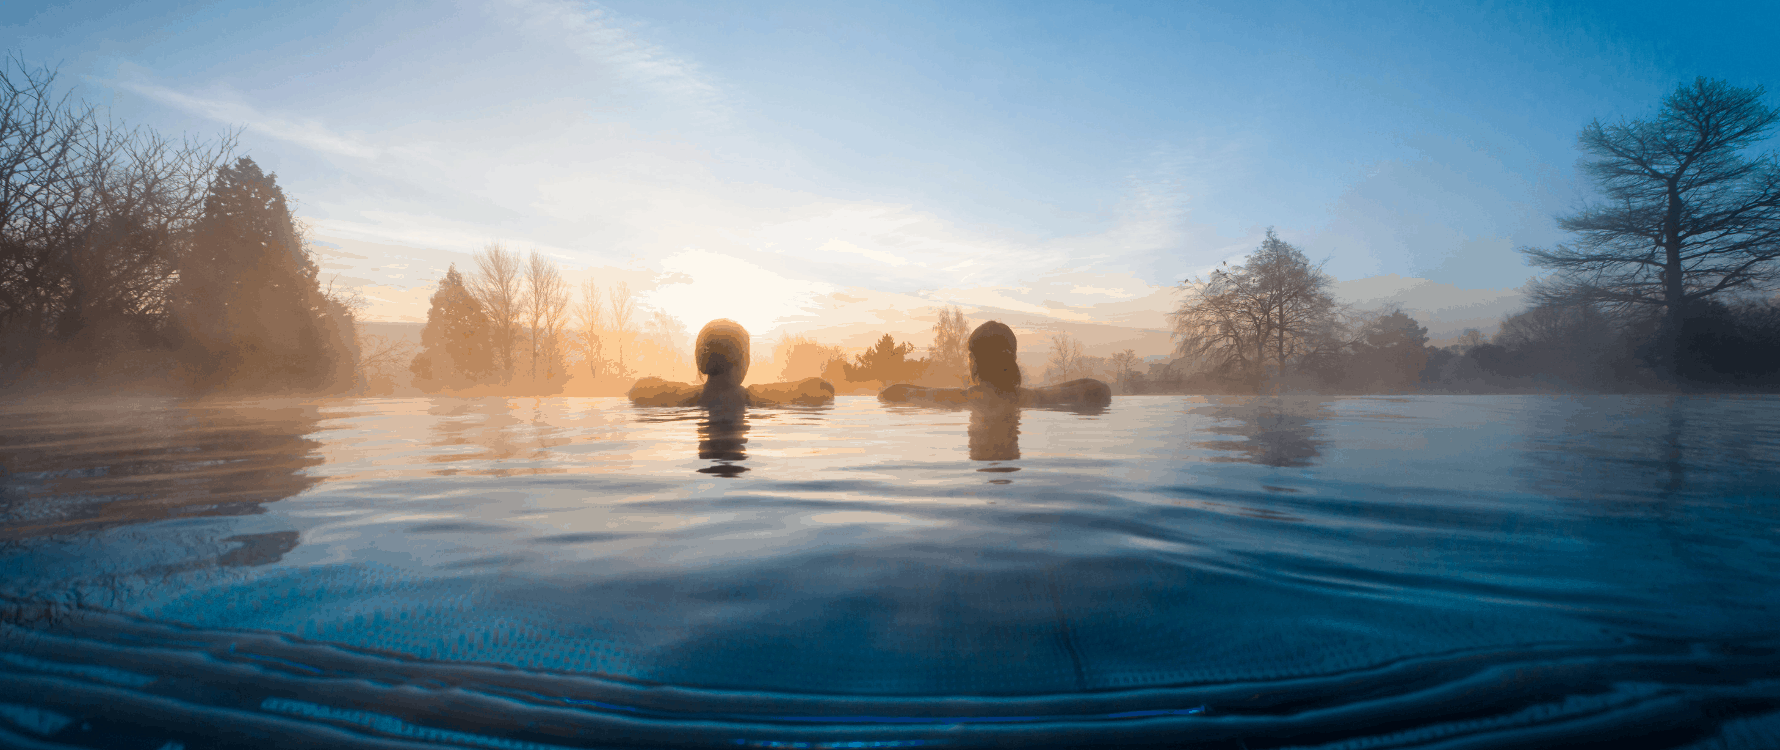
(1256, 572)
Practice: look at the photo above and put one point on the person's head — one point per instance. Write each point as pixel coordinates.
(721, 353)
(992, 363)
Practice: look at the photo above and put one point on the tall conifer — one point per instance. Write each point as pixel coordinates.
(249, 304)
(457, 347)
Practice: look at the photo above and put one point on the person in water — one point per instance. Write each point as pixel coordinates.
(722, 356)
(992, 365)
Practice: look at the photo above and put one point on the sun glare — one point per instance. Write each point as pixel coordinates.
(721, 286)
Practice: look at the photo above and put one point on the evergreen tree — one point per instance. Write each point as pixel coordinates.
(887, 362)
(457, 347)
(1390, 354)
(250, 307)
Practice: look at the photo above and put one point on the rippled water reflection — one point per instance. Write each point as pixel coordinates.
(1258, 572)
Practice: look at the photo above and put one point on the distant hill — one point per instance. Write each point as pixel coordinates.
(397, 331)
(1445, 309)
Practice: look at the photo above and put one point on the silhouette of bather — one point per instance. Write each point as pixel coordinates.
(993, 367)
(721, 355)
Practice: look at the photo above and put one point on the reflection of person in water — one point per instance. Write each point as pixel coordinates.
(723, 437)
(721, 355)
(994, 431)
(997, 375)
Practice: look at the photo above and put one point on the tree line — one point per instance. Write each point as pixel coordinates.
(514, 322)
(947, 363)
(1274, 321)
(1668, 282)
(129, 258)
(886, 362)
(511, 322)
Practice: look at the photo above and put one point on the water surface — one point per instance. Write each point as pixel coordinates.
(1179, 571)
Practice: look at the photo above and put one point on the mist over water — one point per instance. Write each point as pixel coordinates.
(1269, 571)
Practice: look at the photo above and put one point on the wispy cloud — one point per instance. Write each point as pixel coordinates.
(1102, 291)
(596, 35)
(308, 133)
(843, 246)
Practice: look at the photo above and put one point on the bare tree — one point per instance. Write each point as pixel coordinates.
(591, 318)
(1066, 362)
(1469, 339)
(1275, 307)
(665, 343)
(545, 304)
(556, 316)
(1124, 365)
(348, 298)
(43, 176)
(623, 306)
(949, 356)
(1214, 323)
(496, 285)
(93, 220)
(146, 192)
(1685, 216)
(670, 332)
(381, 359)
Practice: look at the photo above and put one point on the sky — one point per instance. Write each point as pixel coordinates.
(847, 167)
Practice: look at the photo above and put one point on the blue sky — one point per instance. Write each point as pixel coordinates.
(1070, 159)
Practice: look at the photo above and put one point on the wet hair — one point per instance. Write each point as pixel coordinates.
(992, 362)
(722, 350)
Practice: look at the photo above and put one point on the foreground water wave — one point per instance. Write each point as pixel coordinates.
(1176, 571)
